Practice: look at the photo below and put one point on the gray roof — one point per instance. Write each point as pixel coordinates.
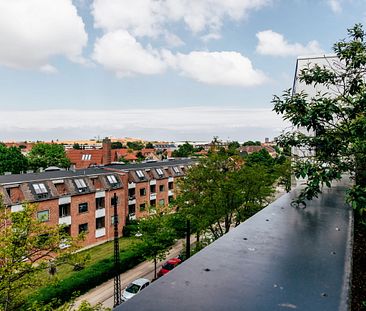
(17, 178)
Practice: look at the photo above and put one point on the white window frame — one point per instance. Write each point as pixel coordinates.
(160, 172)
(140, 174)
(112, 179)
(80, 183)
(40, 188)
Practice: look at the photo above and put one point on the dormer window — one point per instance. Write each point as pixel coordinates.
(80, 184)
(140, 174)
(112, 180)
(40, 190)
(160, 172)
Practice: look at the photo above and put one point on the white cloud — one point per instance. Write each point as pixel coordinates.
(118, 51)
(335, 5)
(33, 31)
(218, 68)
(191, 122)
(273, 43)
(150, 17)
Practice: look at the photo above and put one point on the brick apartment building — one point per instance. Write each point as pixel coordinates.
(82, 199)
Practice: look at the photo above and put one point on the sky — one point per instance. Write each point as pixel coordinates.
(157, 69)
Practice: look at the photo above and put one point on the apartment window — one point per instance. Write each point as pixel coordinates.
(100, 222)
(162, 202)
(152, 188)
(153, 202)
(176, 170)
(161, 188)
(83, 207)
(170, 185)
(43, 215)
(83, 228)
(64, 210)
(80, 184)
(131, 193)
(142, 207)
(160, 172)
(114, 201)
(140, 174)
(86, 157)
(99, 203)
(170, 199)
(132, 209)
(112, 220)
(112, 180)
(142, 191)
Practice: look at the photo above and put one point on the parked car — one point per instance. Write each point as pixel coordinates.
(134, 288)
(169, 265)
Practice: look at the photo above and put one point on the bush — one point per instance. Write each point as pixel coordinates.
(84, 280)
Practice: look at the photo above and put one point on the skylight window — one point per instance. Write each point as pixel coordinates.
(176, 170)
(160, 172)
(140, 174)
(80, 183)
(40, 188)
(112, 179)
(86, 157)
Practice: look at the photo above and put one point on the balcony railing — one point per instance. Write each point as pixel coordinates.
(282, 258)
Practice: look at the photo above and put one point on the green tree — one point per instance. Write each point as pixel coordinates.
(252, 143)
(157, 237)
(12, 160)
(233, 145)
(76, 146)
(44, 155)
(136, 145)
(215, 193)
(337, 117)
(116, 145)
(184, 150)
(27, 246)
(149, 145)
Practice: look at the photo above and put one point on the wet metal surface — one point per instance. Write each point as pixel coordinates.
(283, 258)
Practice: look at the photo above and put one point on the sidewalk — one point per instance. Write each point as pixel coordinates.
(104, 293)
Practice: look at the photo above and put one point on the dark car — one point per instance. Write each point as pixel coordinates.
(169, 265)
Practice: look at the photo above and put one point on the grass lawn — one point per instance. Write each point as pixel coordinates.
(96, 253)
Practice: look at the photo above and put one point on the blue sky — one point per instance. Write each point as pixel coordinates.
(157, 69)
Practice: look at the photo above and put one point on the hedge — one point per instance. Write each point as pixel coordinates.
(84, 280)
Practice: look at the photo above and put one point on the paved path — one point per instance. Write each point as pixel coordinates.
(104, 292)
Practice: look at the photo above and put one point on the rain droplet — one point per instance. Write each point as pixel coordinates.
(324, 294)
(267, 219)
(245, 239)
(275, 285)
(251, 249)
(207, 269)
(338, 229)
(333, 253)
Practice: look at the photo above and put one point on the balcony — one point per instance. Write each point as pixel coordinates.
(170, 193)
(152, 182)
(282, 258)
(131, 185)
(170, 179)
(99, 232)
(152, 196)
(130, 202)
(99, 212)
(65, 220)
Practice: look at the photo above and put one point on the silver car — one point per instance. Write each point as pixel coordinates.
(134, 288)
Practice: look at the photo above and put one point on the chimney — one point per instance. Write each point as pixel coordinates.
(107, 151)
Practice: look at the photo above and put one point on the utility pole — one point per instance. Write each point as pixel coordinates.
(117, 278)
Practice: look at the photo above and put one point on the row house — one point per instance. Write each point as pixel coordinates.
(82, 200)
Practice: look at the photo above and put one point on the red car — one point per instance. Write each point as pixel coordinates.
(169, 265)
